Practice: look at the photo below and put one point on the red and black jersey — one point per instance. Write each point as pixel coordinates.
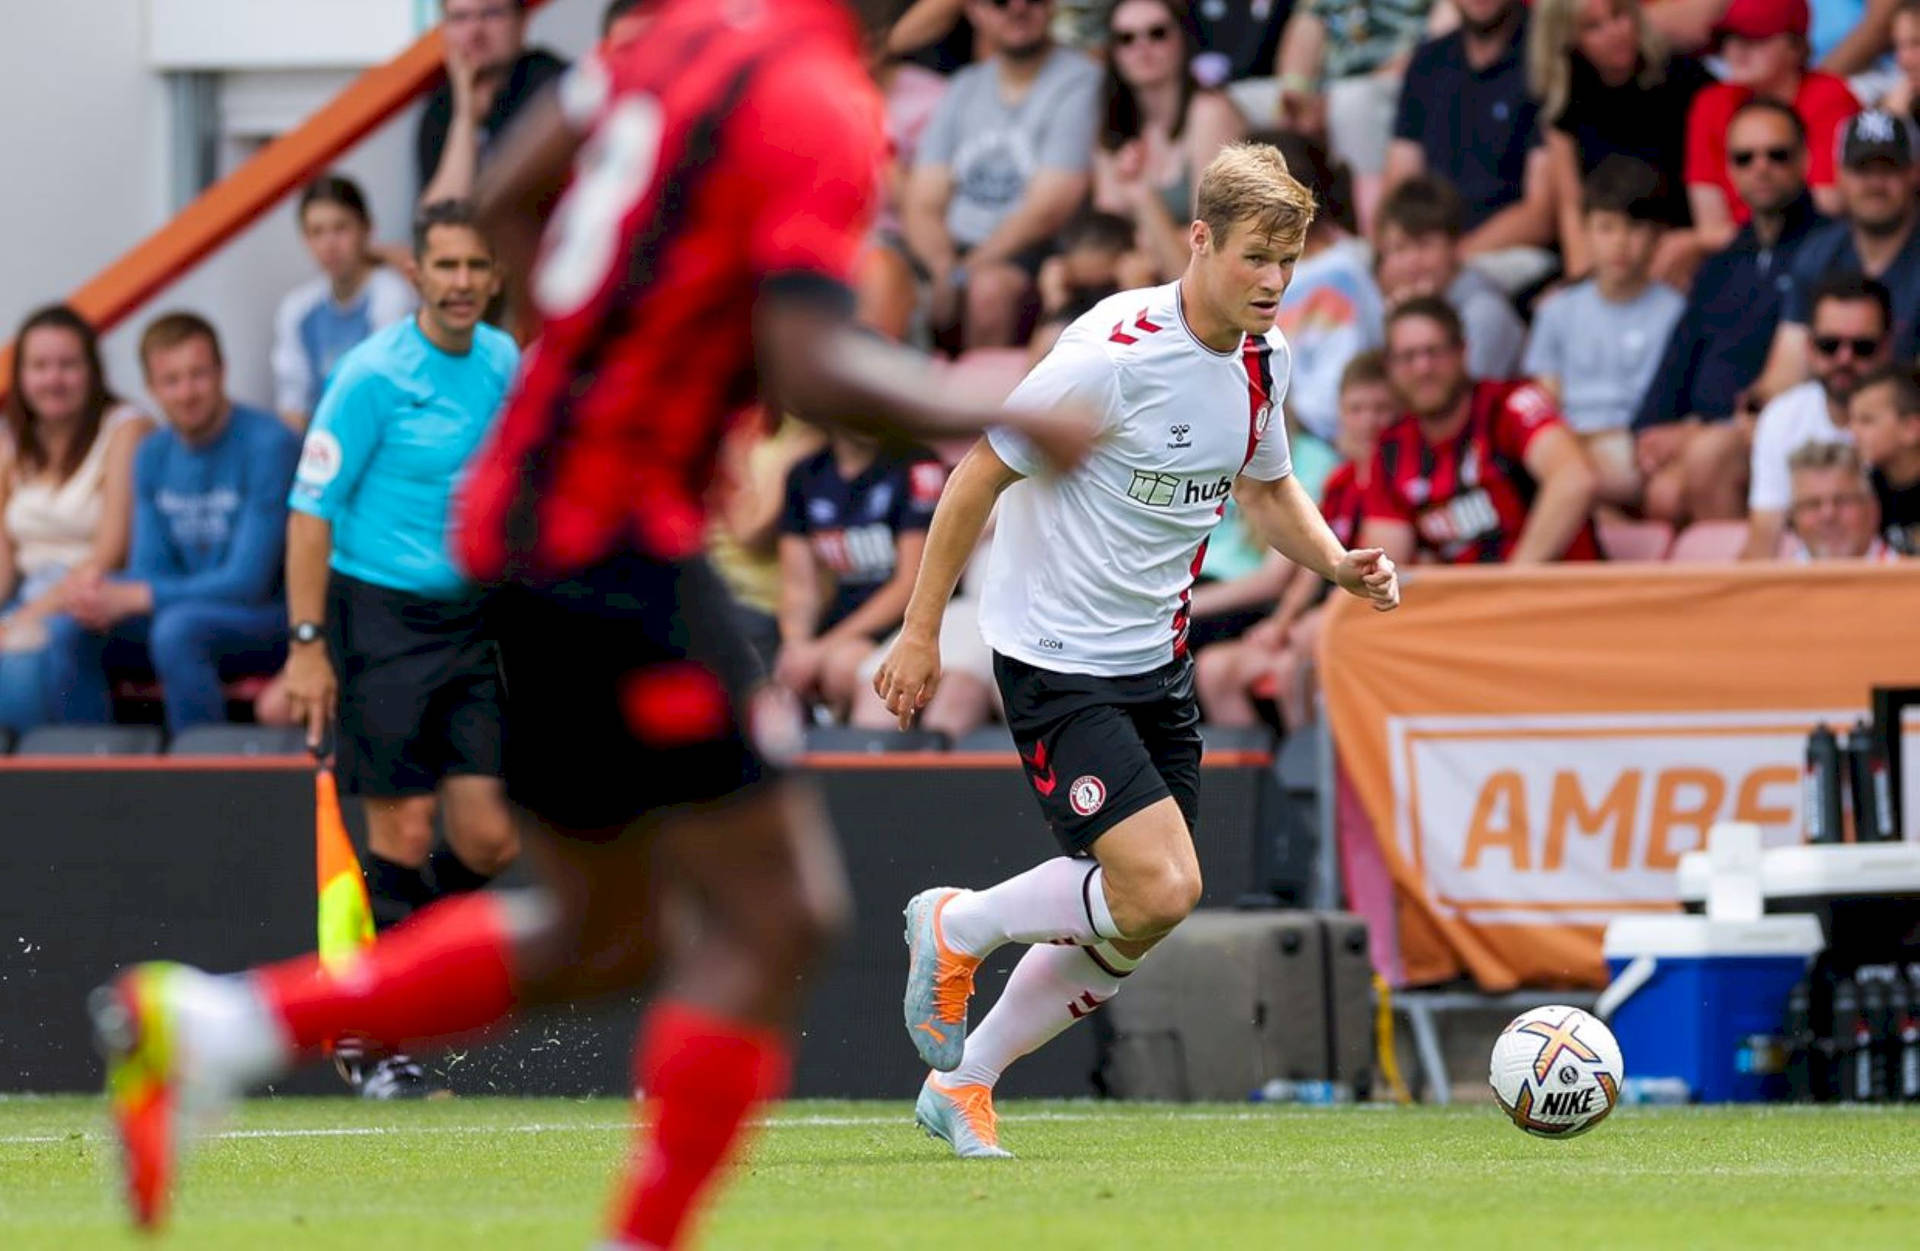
(738, 142)
(1343, 502)
(1467, 498)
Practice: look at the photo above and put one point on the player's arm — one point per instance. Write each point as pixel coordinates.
(910, 674)
(1281, 512)
(826, 369)
(530, 168)
(1559, 464)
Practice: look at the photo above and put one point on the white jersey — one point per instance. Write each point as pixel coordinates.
(1092, 571)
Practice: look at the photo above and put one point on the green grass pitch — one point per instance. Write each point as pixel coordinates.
(291, 1174)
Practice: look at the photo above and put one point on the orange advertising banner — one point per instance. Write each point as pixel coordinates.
(1533, 750)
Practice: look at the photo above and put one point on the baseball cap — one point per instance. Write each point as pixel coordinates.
(1876, 135)
(1763, 19)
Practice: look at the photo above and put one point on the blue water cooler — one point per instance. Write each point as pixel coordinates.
(1687, 992)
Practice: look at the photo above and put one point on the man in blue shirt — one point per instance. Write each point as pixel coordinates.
(385, 629)
(1691, 450)
(200, 599)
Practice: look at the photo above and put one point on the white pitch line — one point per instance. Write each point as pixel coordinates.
(785, 1122)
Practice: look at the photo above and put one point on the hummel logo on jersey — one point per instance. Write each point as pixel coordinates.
(1179, 436)
(1163, 490)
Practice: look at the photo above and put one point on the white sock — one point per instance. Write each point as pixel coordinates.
(1061, 899)
(1050, 989)
(226, 1028)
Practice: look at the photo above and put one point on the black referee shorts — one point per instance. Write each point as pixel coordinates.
(419, 689)
(628, 691)
(1097, 749)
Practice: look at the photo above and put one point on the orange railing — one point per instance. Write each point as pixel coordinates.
(242, 197)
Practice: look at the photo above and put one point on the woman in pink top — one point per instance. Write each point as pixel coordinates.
(66, 492)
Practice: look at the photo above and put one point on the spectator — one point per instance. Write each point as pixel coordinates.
(1159, 130)
(1764, 45)
(66, 493)
(743, 540)
(1465, 116)
(1476, 472)
(1883, 416)
(1595, 345)
(1339, 75)
(1001, 168)
(384, 627)
(1851, 37)
(1852, 316)
(1087, 270)
(1691, 452)
(1879, 179)
(200, 600)
(967, 697)
(855, 519)
(491, 76)
(1608, 87)
(1331, 310)
(1419, 240)
(1835, 516)
(1238, 39)
(1903, 97)
(1280, 649)
(354, 296)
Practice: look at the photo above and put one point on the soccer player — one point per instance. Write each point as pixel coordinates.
(384, 629)
(1086, 609)
(727, 173)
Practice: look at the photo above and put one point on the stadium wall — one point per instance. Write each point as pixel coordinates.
(102, 864)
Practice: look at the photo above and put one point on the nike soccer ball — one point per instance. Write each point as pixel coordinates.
(1556, 1071)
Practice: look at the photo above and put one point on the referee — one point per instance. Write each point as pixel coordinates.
(386, 632)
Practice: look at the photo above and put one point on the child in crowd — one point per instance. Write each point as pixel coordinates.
(1421, 223)
(1883, 416)
(1084, 272)
(1596, 344)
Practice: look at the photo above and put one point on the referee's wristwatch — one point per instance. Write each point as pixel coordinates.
(308, 632)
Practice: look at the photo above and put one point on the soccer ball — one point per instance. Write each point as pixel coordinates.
(1556, 1071)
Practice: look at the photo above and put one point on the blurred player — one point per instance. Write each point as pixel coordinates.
(1086, 608)
(723, 170)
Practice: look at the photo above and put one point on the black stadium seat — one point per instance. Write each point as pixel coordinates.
(240, 740)
(995, 738)
(6, 741)
(846, 738)
(1236, 738)
(92, 740)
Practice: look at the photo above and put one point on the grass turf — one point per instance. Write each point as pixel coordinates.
(296, 1174)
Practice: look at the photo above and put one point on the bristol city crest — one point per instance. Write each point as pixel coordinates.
(1087, 795)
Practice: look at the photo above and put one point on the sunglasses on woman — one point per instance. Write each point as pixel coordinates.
(1152, 34)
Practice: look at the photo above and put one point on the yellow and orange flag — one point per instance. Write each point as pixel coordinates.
(345, 914)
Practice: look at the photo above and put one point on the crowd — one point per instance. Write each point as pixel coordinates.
(1579, 266)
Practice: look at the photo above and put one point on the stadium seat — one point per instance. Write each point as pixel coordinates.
(240, 740)
(989, 738)
(1622, 539)
(847, 738)
(988, 375)
(92, 740)
(1709, 542)
(6, 741)
(1299, 762)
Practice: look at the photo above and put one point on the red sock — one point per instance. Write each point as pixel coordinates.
(702, 1075)
(443, 973)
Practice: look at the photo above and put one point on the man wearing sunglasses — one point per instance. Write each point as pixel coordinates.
(1002, 166)
(1849, 340)
(1879, 180)
(1691, 452)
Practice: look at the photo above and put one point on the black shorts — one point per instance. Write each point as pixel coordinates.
(419, 689)
(1098, 750)
(627, 687)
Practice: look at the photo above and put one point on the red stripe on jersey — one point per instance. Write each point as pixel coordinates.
(1256, 357)
(1141, 323)
(1120, 334)
(1184, 614)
